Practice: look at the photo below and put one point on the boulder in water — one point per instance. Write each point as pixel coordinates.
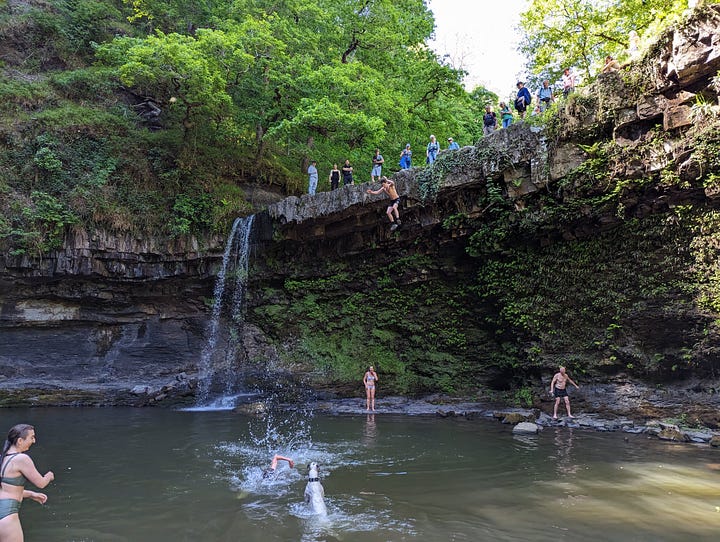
(526, 428)
(252, 409)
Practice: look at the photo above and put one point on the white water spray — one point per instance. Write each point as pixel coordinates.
(217, 368)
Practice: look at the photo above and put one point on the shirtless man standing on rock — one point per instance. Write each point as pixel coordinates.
(557, 390)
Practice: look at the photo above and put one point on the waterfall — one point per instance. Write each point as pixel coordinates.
(217, 374)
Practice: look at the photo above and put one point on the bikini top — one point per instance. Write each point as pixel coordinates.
(14, 480)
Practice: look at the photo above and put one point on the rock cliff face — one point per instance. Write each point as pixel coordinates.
(591, 243)
(106, 315)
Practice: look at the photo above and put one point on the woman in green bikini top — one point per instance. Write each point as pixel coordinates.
(16, 470)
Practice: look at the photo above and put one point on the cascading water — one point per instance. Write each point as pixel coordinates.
(217, 374)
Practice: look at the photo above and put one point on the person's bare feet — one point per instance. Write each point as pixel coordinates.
(554, 417)
(573, 417)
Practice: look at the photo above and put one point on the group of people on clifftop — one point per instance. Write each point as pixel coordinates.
(346, 173)
(432, 150)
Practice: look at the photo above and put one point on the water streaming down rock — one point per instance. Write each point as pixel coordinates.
(218, 380)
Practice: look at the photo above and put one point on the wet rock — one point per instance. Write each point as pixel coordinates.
(143, 390)
(673, 434)
(526, 428)
(252, 409)
(715, 441)
(699, 436)
(518, 417)
(545, 419)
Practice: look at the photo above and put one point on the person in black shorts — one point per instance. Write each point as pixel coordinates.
(558, 389)
(388, 187)
(347, 173)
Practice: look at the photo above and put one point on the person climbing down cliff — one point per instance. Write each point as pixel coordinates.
(388, 187)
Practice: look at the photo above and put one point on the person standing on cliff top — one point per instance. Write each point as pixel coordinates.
(377, 163)
(432, 150)
(568, 81)
(347, 173)
(312, 178)
(334, 177)
(388, 187)
(545, 95)
(406, 157)
(558, 390)
(523, 99)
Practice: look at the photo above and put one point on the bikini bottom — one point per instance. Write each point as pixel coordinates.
(9, 506)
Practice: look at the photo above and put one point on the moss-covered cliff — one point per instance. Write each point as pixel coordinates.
(590, 244)
(588, 238)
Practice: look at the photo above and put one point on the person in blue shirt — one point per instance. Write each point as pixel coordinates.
(523, 99)
(452, 145)
(406, 157)
(545, 95)
(432, 150)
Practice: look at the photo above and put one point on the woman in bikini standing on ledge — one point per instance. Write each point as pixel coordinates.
(370, 379)
(16, 469)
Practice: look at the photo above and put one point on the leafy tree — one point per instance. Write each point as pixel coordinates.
(580, 33)
(281, 81)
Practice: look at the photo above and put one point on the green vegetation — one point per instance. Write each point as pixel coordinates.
(151, 115)
(579, 33)
(415, 334)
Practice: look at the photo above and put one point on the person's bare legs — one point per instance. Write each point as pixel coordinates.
(372, 399)
(389, 212)
(557, 404)
(367, 398)
(567, 406)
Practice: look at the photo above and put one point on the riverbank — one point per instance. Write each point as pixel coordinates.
(631, 411)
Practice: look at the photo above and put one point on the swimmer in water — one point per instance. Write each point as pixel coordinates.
(267, 473)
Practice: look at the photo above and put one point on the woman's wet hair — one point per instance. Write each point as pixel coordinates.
(16, 432)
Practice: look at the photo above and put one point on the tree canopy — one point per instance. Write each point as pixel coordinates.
(277, 83)
(578, 34)
(154, 115)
